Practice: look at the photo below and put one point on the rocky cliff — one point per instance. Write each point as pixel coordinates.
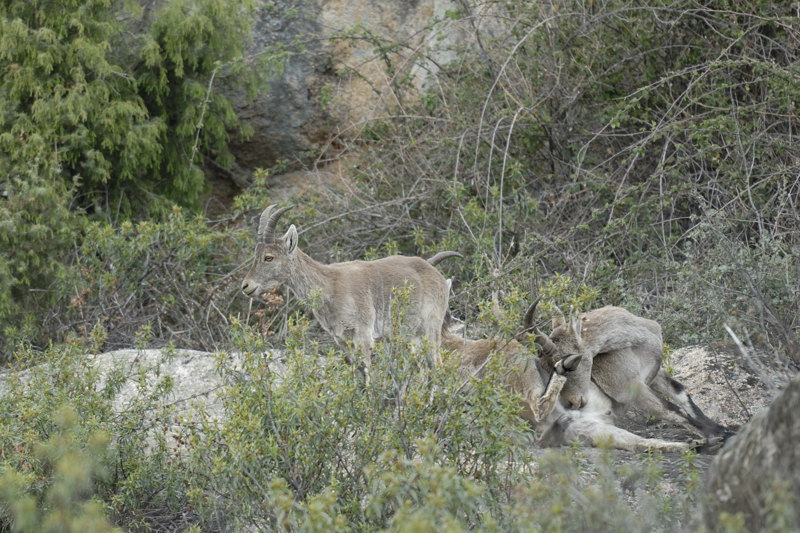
(349, 62)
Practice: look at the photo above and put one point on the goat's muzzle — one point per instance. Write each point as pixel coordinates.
(249, 289)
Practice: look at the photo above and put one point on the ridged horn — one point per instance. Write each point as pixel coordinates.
(441, 256)
(568, 364)
(266, 224)
(540, 338)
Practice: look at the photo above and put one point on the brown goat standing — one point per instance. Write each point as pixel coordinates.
(355, 298)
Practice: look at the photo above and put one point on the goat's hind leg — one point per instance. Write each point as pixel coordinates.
(597, 433)
(650, 403)
(675, 394)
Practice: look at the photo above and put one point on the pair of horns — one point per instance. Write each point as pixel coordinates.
(269, 218)
(540, 338)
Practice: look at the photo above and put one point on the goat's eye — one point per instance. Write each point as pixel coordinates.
(268, 258)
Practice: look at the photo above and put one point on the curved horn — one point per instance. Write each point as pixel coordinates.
(266, 225)
(441, 256)
(548, 348)
(527, 321)
(540, 338)
(568, 364)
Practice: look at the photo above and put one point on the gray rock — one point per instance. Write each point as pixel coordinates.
(723, 384)
(759, 467)
(197, 380)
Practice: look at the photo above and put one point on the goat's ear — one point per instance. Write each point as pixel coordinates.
(290, 239)
(558, 321)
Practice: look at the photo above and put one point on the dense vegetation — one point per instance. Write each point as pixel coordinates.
(648, 151)
(108, 117)
(593, 152)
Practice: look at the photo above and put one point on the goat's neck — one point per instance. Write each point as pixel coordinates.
(307, 276)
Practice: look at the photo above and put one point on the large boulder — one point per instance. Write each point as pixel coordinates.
(198, 380)
(758, 472)
(196, 377)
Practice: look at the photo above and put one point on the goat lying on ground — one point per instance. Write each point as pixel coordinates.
(355, 297)
(621, 361)
(539, 382)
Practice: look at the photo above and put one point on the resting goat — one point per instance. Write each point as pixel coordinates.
(540, 380)
(355, 297)
(621, 358)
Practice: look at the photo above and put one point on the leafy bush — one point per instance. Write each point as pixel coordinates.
(313, 430)
(109, 111)
(120, 104)
(178, 276)
(74, 466)
(541, 154)
(37, 230)
(73, 459)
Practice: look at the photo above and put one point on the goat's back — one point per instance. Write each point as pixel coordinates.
(612, 328)
(390, 272)
(373, 286)
(522, 371)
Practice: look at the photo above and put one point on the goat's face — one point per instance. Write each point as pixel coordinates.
(564, 342)
(272, 263)
(542, 388)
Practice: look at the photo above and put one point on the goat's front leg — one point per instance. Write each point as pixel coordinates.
(547, 402)
(364, 347)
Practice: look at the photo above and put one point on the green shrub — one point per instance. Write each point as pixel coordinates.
(37, 231)
(180, 276)
(117, 102)
(71, 460)
(309, 432)
(67, 503)
(110, 110)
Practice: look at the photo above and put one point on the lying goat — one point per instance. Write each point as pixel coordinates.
(539, 382)
(355, 297)
(621, 361)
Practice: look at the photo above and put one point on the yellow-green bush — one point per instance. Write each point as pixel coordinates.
(70, 461)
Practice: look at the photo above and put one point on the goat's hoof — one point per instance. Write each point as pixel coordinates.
(709, 446)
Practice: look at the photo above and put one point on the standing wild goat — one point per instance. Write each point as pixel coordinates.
(539, 382)
(355, 297)
(621, 357)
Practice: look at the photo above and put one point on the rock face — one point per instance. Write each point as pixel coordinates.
(351, 61)
(760, 466)
(196, 377)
